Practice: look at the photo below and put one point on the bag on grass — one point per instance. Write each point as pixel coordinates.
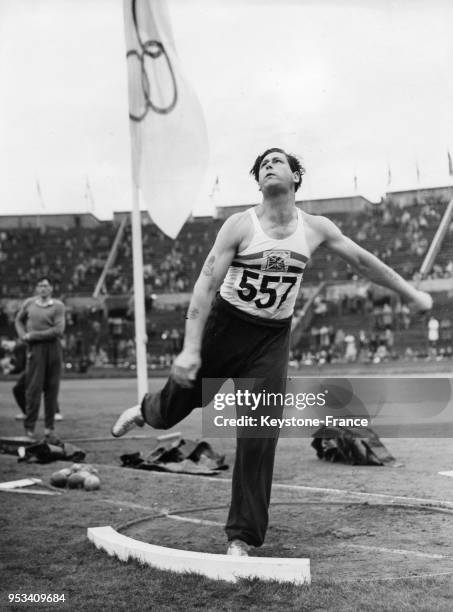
(350, 445)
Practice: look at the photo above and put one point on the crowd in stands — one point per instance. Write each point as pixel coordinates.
(373, 331)
(169, 266)
(75, 257)
(399, 236)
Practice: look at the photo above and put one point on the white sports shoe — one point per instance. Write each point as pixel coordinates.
(58, 416)
(30, 435)
(238, 548)
(130, 418)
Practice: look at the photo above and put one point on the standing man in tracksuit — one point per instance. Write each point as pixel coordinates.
(257, 261)
(40, 323)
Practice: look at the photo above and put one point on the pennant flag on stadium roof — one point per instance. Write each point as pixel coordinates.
(89, 197)
(215, 187)
(417, 171)
(168, 133)
(42, 204)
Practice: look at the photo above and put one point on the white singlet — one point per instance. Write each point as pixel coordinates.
(264, 279)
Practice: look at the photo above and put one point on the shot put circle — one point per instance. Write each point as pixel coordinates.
(345, 540)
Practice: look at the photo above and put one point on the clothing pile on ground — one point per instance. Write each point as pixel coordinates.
(182, 456)
(350, 445)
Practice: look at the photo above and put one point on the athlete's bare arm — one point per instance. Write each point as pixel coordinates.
(367, 264)
(228, 241)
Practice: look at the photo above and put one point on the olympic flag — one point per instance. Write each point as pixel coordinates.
(168, 133)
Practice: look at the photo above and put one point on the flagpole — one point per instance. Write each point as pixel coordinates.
(139, 296)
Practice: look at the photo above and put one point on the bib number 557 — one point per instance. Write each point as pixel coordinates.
(248, 291)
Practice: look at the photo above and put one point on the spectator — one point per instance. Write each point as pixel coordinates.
(175, 338)
(40, 323)
(387, 315)
(405, 316)
(389, 338)
(324, 337)
(445, 330)
(351, 349)
(339, 341)
(363, 340)
(433, 334)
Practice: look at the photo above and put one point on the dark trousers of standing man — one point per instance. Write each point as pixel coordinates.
(235, 345)
(43, 373)
(19, 392)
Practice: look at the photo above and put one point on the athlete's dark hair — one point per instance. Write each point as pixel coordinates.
(293, 161)
(44, 278)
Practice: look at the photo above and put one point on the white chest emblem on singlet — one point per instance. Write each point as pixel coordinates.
(277, 261)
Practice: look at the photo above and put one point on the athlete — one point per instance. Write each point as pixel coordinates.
(257, 261)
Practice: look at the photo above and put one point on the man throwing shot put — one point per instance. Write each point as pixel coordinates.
(40, 323)
(257, 261)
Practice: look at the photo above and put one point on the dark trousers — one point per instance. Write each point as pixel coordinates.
(235, 345)
(43, 373)
(19, 392)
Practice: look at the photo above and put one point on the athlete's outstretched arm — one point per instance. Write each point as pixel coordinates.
(370, 266)
(187, 363)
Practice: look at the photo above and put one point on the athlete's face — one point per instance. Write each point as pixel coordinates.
(275, 173)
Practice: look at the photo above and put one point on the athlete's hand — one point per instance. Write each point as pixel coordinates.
(423, 301)
(185, 368)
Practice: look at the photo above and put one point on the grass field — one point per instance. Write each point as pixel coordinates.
(374, 544)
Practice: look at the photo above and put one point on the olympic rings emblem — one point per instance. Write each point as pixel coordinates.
(151, 49)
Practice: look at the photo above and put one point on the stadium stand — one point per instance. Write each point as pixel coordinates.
(398, 230)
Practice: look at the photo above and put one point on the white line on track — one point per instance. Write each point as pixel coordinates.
(127, 504)
(398, 498)
(164, 514)
(392, 578)
(187, 519)
(293, 487)
(395, 498)
(398, 551)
